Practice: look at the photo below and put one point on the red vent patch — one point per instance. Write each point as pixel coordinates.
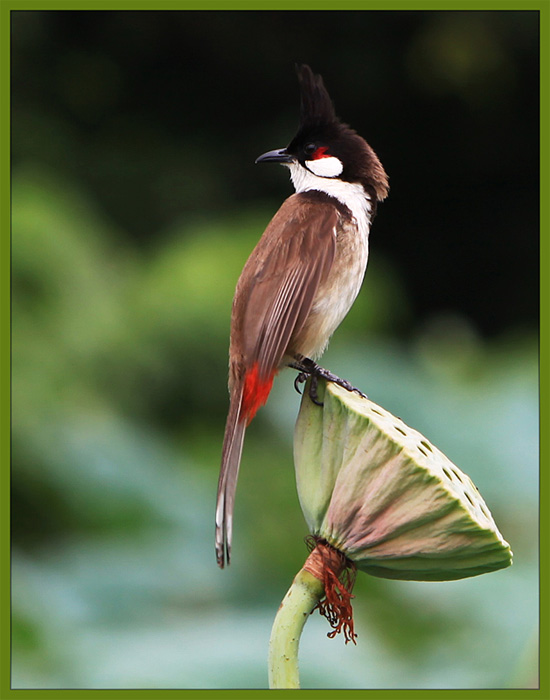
(255, 392)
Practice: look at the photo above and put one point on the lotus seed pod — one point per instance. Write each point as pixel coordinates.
(387, 498)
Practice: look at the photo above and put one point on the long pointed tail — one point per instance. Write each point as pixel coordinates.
(245, 401)
(235, 428)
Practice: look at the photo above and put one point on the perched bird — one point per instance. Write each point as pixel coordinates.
(303, 275)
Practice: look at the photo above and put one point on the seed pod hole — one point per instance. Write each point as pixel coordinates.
(468, 497)
(447, 473)
(421, 450)
(426, 445)
(401, 431)
(377, 412)
(458, 475)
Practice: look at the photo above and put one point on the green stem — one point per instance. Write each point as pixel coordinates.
(302, 596)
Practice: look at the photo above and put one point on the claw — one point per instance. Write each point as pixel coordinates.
(313, 390)
(300, 379)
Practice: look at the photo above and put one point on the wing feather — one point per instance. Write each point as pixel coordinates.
(290, 264)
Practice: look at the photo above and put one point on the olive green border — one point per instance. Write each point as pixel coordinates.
(6, 6)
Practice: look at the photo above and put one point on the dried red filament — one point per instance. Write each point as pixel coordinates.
(337, 573)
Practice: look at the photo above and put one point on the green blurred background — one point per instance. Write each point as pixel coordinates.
(135, 204)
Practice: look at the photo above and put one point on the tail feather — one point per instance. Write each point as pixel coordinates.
(231, 457)
(246, 399)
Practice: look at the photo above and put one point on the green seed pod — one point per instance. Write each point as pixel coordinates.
(384, 496)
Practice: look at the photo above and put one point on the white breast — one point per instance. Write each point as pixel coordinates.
(337, 294)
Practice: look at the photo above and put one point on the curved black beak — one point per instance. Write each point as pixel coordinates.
(279, 155)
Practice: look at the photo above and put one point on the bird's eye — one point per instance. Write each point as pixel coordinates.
(310, 149)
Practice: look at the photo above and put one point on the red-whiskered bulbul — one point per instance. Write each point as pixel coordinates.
(303, 275)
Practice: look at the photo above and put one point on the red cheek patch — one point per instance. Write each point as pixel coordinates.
(321, 152)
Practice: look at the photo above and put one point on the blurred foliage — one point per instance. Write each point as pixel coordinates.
(117, 419)
(132, 218)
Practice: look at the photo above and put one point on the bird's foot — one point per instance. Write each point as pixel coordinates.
(308, 367)
(300, 379)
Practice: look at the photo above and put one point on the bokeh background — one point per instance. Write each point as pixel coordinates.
(135, 204)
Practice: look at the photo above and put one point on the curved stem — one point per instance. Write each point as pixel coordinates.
(302, 596)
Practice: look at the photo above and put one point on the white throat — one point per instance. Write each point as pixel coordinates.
(351, 194)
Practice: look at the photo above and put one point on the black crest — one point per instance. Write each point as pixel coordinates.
(320, 125)
(316, 108)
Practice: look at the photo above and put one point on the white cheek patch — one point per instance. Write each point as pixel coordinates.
(325, 167)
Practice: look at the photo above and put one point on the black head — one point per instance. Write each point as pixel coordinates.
(327, 147)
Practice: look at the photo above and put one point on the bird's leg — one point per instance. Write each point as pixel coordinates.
(308, 367)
